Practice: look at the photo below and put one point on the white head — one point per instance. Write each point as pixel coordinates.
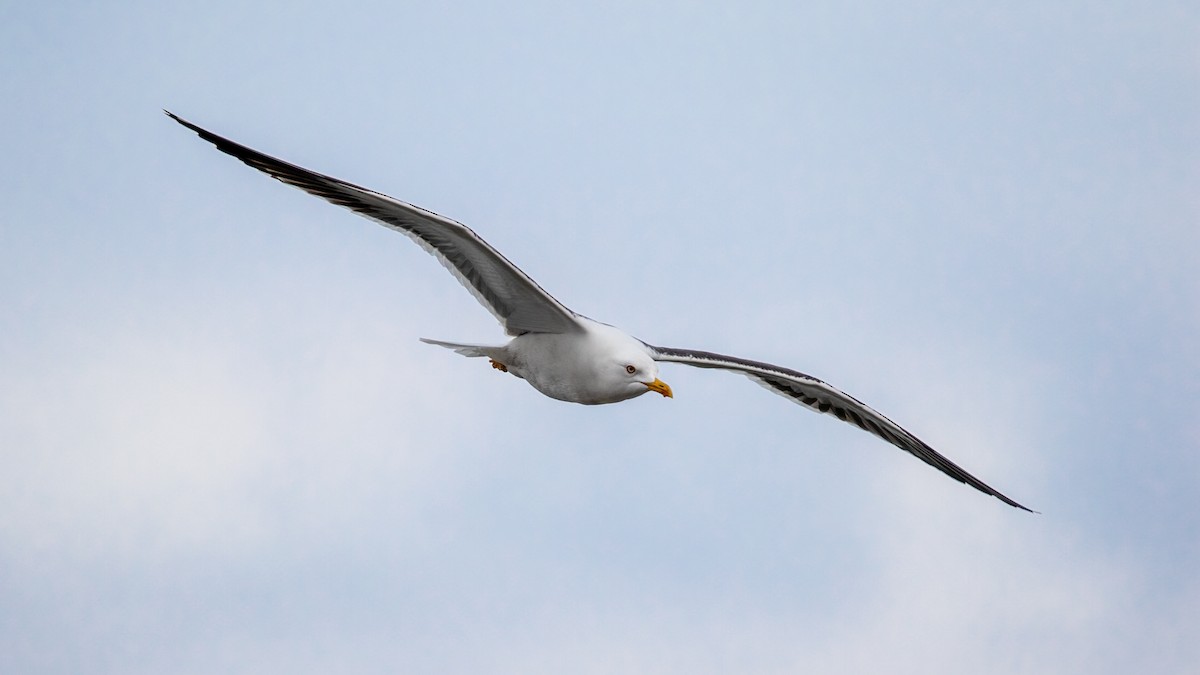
(625, 367)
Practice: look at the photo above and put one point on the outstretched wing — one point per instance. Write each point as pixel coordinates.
(824, 398)
(517, 302)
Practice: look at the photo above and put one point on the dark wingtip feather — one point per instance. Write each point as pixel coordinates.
(223, 144)
(182, 121)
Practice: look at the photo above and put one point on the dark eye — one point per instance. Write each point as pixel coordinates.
(630, 369)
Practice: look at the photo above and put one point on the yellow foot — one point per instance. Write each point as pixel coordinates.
(499, 366)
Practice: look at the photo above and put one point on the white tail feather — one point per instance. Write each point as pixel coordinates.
(466, 350)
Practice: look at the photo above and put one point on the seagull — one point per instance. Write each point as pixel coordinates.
(561, 353)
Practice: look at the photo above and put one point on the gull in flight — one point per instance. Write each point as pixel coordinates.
(560, 353)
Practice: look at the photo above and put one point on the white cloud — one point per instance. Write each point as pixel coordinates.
(161, 443)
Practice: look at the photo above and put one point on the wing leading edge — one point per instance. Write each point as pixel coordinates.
(517, 302)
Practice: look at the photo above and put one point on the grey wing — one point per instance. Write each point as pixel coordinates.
(821, 397)
(517, 302)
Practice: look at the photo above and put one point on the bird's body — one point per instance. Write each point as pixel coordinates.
(589, 366)
(562, 354)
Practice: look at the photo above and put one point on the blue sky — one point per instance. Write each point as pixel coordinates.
(223, 449)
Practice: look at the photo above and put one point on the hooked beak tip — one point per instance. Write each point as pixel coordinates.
(661, 387)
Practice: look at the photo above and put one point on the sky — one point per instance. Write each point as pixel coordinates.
(223, 448)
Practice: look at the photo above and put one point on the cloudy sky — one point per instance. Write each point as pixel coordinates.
(223, 449)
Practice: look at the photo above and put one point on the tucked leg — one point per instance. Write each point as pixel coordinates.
(499, 366)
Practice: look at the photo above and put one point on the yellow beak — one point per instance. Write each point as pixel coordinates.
(661, 387)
